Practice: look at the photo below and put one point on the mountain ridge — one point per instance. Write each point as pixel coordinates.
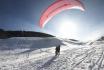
(8, 34)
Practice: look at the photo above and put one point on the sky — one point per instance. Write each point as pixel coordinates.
(25, 15)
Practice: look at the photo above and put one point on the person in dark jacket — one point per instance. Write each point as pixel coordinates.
(57, 50)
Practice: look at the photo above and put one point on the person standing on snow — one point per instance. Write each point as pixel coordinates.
(57, 50)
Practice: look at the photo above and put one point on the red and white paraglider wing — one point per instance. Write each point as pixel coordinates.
(57, 7)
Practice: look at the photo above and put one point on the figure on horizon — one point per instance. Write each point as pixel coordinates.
(57, 50)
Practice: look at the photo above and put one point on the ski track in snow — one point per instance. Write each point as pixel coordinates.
(86, 57)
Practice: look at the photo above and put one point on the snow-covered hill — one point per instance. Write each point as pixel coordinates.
(38, 54)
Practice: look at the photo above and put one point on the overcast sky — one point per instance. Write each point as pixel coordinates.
(25, 14)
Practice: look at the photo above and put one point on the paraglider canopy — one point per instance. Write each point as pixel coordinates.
(57, 7)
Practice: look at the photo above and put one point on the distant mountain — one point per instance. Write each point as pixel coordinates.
(100, 39)
(73, 40)
(8, 34)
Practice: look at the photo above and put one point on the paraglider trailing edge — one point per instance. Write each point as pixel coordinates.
(57, 7)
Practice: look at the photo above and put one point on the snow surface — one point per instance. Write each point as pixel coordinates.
(38, 54)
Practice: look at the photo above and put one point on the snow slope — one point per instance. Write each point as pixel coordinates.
(72, 57)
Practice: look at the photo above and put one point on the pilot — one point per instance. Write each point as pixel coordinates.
(57, 50)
